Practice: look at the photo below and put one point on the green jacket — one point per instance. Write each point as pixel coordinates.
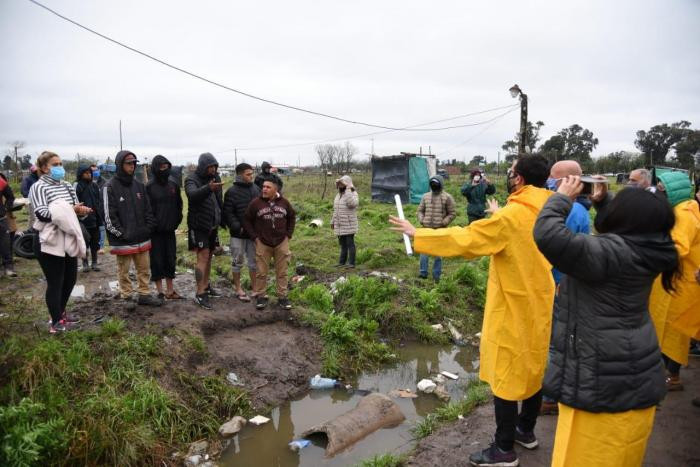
(476, 197)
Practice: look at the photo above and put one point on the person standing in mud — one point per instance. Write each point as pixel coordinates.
(203, 190)
(89, 195)
(166, 203)
(129, 222)
(236, 201)
(269, 221)
(519, 298)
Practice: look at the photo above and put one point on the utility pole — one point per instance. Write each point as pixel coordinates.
(515, 91)
(121, 147)
(235, 157)
(498, 164)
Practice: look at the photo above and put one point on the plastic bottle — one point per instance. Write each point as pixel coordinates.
(322, 383)
(299, 444)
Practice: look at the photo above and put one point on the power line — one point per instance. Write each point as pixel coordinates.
(493, 122)
(237, 91)
(280, 146)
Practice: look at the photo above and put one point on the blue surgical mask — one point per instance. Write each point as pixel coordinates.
(96, 173)
(58, 172)
(551, 184)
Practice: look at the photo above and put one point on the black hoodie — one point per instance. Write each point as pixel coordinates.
(89, 194)
(267, 175)
(204, 209)
(164, 195)
(129, 220)
(236, 201)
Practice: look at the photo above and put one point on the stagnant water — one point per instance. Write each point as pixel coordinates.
(267, 444)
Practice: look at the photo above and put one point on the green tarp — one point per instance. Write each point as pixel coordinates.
(418, 178)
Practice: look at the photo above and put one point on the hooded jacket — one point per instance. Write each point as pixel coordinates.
(436, 209)
(476, 197)
(270, 220)
(7, 197)
(519, 294)
(265, 174)
(89, 194)
(164, 196)
(128, 219)
(27, 183)
(205, 205)
(236, 201)
(605, 355)
(344, 218)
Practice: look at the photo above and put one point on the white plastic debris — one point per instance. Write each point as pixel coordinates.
(449, 375)
(299, 444)
(113, 286)
(316, 223)
(259, 420)
(439, 379)
(233, 379)
(478, 335)
(78, 291)
(438, 327)
(456, 335)
(426, 386)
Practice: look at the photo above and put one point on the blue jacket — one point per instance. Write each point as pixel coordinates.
(578, 221)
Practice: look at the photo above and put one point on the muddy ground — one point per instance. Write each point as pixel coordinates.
(674, 440)
(271, 354)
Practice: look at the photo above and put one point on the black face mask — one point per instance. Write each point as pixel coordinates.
(163, 175)
(435, 187)
(341, 189)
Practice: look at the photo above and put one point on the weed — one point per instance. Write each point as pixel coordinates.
(315, 296)
(385, 460)
(196, 344)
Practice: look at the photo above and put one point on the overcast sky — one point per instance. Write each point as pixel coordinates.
(613, 67)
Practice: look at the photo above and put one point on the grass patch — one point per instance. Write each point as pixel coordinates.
(385, 460)
(477, 393)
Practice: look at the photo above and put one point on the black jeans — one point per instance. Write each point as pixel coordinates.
(672, 366)
(5, 243)
(347, 249)
(93, 244)
(60, 273)
(507, 418)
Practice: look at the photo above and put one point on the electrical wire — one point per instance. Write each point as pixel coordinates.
(479, 133)
(313, 143)
(243, 93)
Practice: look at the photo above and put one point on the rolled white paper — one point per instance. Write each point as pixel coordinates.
(406, 240)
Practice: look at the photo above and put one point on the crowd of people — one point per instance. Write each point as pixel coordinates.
(619, 307)
(592, 327)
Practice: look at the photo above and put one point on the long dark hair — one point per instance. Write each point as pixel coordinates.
(637, 211)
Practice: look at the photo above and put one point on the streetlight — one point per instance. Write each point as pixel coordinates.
(515, 91)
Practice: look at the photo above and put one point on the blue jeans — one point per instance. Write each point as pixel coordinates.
(102, 236)
(437, 266)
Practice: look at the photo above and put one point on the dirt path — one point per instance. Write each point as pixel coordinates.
(674, 441)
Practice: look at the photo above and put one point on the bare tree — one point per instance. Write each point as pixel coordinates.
(13, 152)
(327, 158)
(346, 153)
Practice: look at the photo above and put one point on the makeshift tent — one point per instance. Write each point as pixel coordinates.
(406, 175)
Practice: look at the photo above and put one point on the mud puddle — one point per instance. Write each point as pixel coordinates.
(267, 444)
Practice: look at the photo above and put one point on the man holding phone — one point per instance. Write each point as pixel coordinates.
(203, 189)
(476, 190)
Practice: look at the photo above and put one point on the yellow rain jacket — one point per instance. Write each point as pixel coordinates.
(519, 294)
(676, 316)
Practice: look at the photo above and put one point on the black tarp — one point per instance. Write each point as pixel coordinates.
(390, 176)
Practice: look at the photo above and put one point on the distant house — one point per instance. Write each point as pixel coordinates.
(452, 169)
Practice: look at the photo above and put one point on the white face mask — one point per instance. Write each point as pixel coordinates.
(477, 178)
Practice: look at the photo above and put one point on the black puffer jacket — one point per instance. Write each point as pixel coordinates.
(236, 201)
(128, 217)
(606, 356)
(204, 210)
(164, 195)
(267, 175)
(89, 194)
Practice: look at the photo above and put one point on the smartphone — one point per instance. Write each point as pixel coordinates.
(588, 182)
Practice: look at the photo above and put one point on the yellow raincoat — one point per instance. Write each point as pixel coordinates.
(519, 294)
(676, 316)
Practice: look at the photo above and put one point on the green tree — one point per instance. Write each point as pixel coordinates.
(656, 142)
(688, 149)
(572, 143)
(477, 160)
(533, 137)
(7, 162)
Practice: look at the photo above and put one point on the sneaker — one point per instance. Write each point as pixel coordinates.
(95, 267)
(56, 328)
(422, 276)
(212, 293)
(68, 319)
(528, 440)
(203, 301)
(161, 296)
(549, 408)
(260, 302)
(673, 384)
(284, 303)
(86, 267)
(149, 300)
(494, 457)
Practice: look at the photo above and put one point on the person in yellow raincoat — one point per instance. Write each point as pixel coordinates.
(676, 315)
(605, 366)
(519, 297)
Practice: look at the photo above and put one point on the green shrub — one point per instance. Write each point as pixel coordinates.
(315, 296)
